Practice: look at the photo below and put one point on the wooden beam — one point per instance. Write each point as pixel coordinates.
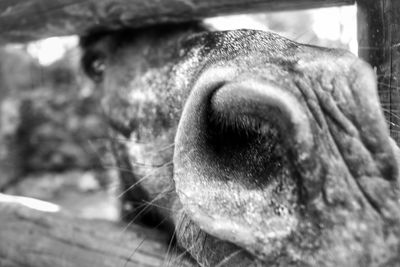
(24, 20)
(379, 44)
(39, 239)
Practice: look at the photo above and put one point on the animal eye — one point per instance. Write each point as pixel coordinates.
(98, 66)
(94, 65)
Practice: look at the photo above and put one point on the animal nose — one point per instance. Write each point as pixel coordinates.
(225, 124)
(231, 123)
(256, 163)
(238, 136)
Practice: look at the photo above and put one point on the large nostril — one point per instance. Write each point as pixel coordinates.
(249, 128)
(232, 149)
(242, 129)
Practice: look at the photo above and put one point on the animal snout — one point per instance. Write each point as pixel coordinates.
(235, 147)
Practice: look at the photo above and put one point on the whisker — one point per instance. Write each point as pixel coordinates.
(114, 167)
(168, 191)
(143, 178)
(135, 163)
(228, 258)
(134, 184)
(391, 113)
(119, 139)
(180, 256)
(143, 210)
(166, 147)
(134, 251)
(155, 205)
(134, 218)
(167, 254)
(125, 141)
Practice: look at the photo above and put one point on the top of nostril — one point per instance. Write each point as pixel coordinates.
(240, 103)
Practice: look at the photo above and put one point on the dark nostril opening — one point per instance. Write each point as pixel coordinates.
(245, 147)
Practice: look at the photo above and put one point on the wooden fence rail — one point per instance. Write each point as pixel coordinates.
(37, 239)
(24, 20)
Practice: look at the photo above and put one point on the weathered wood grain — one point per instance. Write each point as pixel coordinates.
(38, 239)
(24, 20)
(379, 44)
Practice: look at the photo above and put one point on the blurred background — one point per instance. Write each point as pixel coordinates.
(53, 141)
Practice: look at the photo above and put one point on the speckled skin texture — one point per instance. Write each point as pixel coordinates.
(255, 150)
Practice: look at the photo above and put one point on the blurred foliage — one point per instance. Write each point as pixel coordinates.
(330, 27)
(298, 26)
(50, 120)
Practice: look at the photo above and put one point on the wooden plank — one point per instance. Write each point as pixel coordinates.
(379, 44)
(24, 20)
(39, 239)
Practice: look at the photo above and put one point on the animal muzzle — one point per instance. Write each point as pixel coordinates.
(254, 167)
(241, 146)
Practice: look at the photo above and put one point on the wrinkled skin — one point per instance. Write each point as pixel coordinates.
(256, 150)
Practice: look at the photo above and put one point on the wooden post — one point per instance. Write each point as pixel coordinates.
(379, 44)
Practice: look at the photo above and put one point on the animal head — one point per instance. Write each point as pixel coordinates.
(259, 150)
